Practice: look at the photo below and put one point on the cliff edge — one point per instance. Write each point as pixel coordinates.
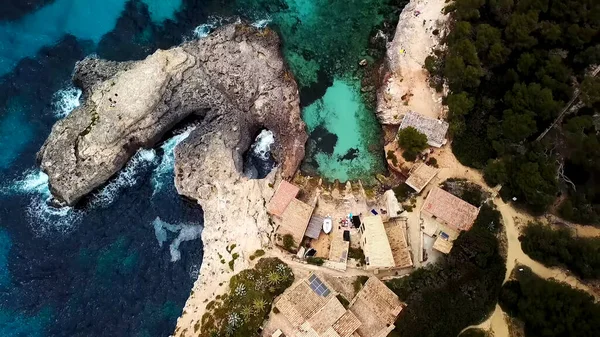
(235, 80)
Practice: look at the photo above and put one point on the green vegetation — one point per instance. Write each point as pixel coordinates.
(510, 67)
(392, 157)
(412, 142)
(358, 254)
(403, 192)
(288, 243)
(489, 217)
(234, 257)
(241, 311)
(549, 308)
(560, 248)
(459, 290)
(466, 190)
(317, 261)
(258, 253)
(474, 333)
(359, 282)
(343, 300)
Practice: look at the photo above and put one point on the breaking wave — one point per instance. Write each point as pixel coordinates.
(205, 29)
(41, 215)
(167, 162)
(261, 24)
(65, 101)
(262, 145)
(127, 177)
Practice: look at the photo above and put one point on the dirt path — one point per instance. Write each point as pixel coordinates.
(517, 256)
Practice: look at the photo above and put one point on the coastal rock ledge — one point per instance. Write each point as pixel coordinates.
(234, 80)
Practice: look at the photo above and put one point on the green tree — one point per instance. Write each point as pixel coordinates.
(590, 90)
(460, 104)
(487, 35)
(520, 28)
(495, 173)
(412, 142)
(517, 127)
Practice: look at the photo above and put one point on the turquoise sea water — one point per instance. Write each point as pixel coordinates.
(135, 238)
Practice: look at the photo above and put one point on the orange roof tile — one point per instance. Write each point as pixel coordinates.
(285, 193)
(451, 210)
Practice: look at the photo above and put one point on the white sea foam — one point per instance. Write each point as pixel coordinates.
(205, 29)
(167, 162)
(262, 144)
(42, 217)
(127, 177)
(187, 232)
(65, 101)
(261, 24)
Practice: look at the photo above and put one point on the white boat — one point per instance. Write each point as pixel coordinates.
(327, 225)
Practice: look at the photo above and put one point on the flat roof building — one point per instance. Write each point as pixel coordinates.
(375, 244)
(421, 176)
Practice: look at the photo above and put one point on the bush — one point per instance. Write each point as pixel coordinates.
(317, 261)
(412, 142)
(242, 310)
(474, 333)
(258, 253)
(343, 300)
(489, 218)
(432, 162)
(459, 290)
(288, 243)
(403, 192)
(359, 282)
(560, 248)
(549, 308)
(392, 157)
(358, 254)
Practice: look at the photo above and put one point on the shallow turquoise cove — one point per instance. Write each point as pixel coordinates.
(342, 112)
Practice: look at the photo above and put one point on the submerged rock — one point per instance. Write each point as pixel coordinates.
(235, 80)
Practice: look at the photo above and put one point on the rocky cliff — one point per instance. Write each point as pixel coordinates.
(234, 80)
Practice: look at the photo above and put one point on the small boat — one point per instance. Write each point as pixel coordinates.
(327, 225)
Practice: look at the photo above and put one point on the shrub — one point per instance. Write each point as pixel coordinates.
(317, 261)
(392, 157)
(412, 142)
(549, 308)
(258, 253)
(457, 291)
(432, 162)
(343, 300)
(560, 248)
(288, 243)
(358, 254)
(359, 282)
(241, 311)
(403, 192)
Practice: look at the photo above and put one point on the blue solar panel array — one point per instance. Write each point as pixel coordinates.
(318, 287)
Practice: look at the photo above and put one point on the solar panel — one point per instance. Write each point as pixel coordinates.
(318, 287)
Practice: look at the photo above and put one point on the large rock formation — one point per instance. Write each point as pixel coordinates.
(234, 79)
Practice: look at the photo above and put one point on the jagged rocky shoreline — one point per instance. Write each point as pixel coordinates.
(235, 80)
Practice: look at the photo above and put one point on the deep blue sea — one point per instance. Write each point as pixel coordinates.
(123, 262)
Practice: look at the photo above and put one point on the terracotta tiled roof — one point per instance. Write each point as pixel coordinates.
(375, 243)
(450, 210)
(285, 193)
(346, 325)
(397, 239)
(294, 220)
